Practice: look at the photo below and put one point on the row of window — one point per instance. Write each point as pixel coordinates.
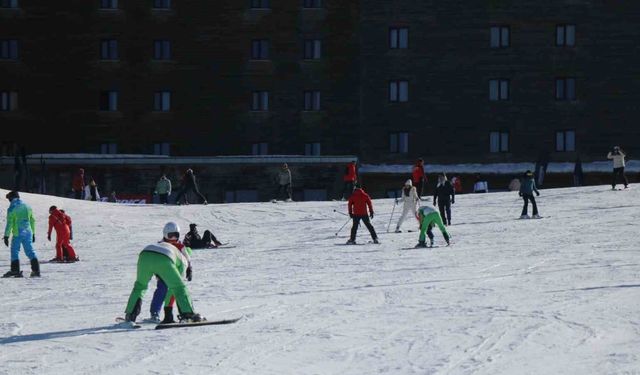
(500, 36)
(565, 141)
(166, 4)
(109, 101)
(164, 148)
(499, 89)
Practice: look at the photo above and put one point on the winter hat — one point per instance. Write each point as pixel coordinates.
(12, 195)
(192, 226)
(408, 183)
(528, 173)
(52, 208)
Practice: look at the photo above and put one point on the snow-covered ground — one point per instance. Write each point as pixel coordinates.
(554, 296)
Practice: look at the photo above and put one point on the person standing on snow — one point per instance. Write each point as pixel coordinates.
(358, 203)
(21, 225)
(165, 260)
(59, 221)
(350, 179)
(428, 216)
(189, 184)
(418, 177)
(163, 189)
(410, 201)
(91, 191)
(77, 184)
(527, 188)
(444, 196)
(617, 155)
(284, 183)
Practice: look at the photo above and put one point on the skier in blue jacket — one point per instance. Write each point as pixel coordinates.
(21, 226)
(527, 188)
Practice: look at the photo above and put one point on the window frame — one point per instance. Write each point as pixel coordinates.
(260, 4)
(161, 5)
(562, 142)
(260, 148)
(502, 146)
(9, 49)
(312, 49)
(312, 101)
(9, 4)
(260, 101)
(162, 101)
(109, 5)
(162, 148)
(500, 93)
(108, 148)
(395, 41)
(8, 101)
(396, 142)
(108, 49)
(313, 149)
(162, 50)
(260, 49)
(562, 35)
(312, 4)
(501, 36)
(566, 89)
(395, 91)
(109, 101)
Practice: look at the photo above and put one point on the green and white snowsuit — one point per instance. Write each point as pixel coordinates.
(169, 264)
(428, 217)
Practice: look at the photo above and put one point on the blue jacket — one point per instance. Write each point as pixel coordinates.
(528, 186)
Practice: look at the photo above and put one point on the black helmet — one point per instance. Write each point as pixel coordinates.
(12, 195)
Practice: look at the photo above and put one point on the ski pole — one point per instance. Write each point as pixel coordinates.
(343, 225)
(392, 211)
(341, 213)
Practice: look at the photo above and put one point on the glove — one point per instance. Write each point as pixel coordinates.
(33, 239)
(6, 240)
(49, 237)
(520, 194)
(371, 215)
(189, 273)
(537, 193)
(453, 201)
(351, 216)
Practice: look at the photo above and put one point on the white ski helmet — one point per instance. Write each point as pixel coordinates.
(170, 227)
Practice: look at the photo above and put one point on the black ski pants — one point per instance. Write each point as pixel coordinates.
(367, 223)
(284, 191)
(164, 198)
(206, 241)
(445, 208)
(527, 198)
(186, 189)
(619, 172)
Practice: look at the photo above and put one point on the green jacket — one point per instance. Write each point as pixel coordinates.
(163, 186)
(19, 218)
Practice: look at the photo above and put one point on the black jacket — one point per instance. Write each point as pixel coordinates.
(444, 193)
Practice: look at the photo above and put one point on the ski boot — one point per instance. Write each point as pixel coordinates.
(421, 244)
(168, 315)
(15, 270)
(351, 242)
(35, 268)
(375, 240)
(524, 217)
(190, 318)
(536, 216)
(398, 230)
(430, 242)
(155, 317)
(55, 260)
(130, 317)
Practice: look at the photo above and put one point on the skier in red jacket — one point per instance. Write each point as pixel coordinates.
(418, 177)
(358, 204)
(349, 178)
(78, 184)
(60, 221)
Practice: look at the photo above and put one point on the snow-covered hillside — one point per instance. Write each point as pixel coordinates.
(559, 295)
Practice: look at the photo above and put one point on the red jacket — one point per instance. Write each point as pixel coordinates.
(418, 174)
(57, 220)
(78, 182)
(351, 173)
(358, 203)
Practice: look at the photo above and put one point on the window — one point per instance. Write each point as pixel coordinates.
(398, 38)
(161, 4)
(312, 49)
(259, 49)
(499, 36)
(8, 3)
(566, 141)
(312, 4)
(399, 143)
(108, 4)
(109, 101)
(260, 4)
(312, 149)
(498, 89)
(399, 91)
(312, 100)
(566, 89)
(259, 149)
(162, 101)
(163, 148)
(499, 141)
(8, 101)
(566, 35)
(260, 101)
(9, 49)
(162, 50)
(109, 49)
(109, 148)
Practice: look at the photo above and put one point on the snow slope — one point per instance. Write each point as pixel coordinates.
(554, 296)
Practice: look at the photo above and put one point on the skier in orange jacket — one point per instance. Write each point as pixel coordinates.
(61, 222)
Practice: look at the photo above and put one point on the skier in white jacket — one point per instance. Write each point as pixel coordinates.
(410, 201)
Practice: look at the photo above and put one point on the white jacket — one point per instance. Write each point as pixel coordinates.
(618, 159)
(87, 193)
(412, 199)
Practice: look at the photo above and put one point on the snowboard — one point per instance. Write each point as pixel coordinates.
(196, 324)
(121, 322)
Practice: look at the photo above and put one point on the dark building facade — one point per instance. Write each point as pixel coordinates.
(386, 80)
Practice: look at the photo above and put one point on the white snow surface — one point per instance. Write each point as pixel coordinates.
(559, 295)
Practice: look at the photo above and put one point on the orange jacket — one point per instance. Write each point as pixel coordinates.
(57, 220)
(350, 174)
(78, 182)
(358, 203)
(418, 174)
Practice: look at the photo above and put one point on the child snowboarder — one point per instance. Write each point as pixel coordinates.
(193, 240)
(61, 222)
(357, 204)
(21, 225)
(428, 216)
(165, 260)
(527, 188)
(410, 201)
(444, 196)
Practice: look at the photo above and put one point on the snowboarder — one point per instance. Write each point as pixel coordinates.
(428, 216)
(358, 203)
(67, 219)
(284, 183)
(91, 191)
(21, 225)
(617, 155)
(419, 177)
(60, 221)
(444, 196)
(527, 188)
(165, 260)
(193, 240)
(78, 184)
(163, 189)
(189, 184)
(350, 179)
(410, 201)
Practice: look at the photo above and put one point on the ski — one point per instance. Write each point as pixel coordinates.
(196, 324)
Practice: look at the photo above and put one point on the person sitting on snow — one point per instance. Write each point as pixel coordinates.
(193, 240)
(410, 201)
(428, 216)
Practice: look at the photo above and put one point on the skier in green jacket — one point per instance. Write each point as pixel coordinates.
(428, 216)
(168, 263)
(21, 225)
